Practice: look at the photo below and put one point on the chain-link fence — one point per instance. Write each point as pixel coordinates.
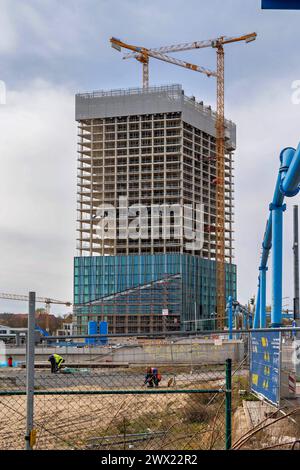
(124, 419)
(99, 398)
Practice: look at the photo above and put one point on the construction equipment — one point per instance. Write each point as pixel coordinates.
(287, 185)
(45, 300)
(142, 54)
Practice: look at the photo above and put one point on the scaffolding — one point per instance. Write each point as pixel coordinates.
(150, 159)
(153, 147)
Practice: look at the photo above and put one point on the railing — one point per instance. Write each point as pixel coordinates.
(175, 90)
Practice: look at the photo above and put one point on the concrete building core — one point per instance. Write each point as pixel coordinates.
(147, 210)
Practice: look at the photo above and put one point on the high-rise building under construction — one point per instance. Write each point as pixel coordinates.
(147, 211)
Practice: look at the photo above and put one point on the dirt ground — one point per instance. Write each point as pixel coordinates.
(97, 421)
(280, 431)
(116, 420)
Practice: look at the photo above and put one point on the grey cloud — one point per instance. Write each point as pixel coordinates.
(49, 50)
(37, 191)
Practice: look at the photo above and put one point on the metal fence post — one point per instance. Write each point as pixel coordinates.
(30, 434)
(228, 409)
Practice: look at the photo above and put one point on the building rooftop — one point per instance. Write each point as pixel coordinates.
(151, 100)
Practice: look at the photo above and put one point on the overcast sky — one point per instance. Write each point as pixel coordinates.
(51, 49)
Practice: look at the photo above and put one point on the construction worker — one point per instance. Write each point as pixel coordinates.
(56, 362)
(152, 377)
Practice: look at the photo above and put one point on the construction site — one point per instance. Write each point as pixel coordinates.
(157, 351)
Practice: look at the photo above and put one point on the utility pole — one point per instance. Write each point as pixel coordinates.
(296, 266)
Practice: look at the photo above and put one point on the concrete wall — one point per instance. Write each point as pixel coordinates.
(183, 352)
(202, 352)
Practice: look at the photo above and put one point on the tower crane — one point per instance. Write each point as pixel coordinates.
(45, 300)
(142, 54)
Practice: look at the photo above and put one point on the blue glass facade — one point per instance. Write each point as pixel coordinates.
(133, 291)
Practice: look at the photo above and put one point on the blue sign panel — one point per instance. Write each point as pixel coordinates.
(265, 365)
(103, 327)
(280, 4)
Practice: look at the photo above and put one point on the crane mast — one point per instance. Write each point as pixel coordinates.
(220, 191)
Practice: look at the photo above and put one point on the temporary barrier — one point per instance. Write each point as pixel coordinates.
(265, 359)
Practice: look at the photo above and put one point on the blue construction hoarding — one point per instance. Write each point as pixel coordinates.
(280, 4)
(265, 365)
(103, 330)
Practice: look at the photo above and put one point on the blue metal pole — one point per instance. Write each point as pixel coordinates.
(245, 324)
(276, 312)
(290, 171)
(287, 185)
(262, 272)
(256, 320)
(230, 316)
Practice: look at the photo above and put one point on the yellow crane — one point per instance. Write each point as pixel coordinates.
(45, 300)
(142, 54)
